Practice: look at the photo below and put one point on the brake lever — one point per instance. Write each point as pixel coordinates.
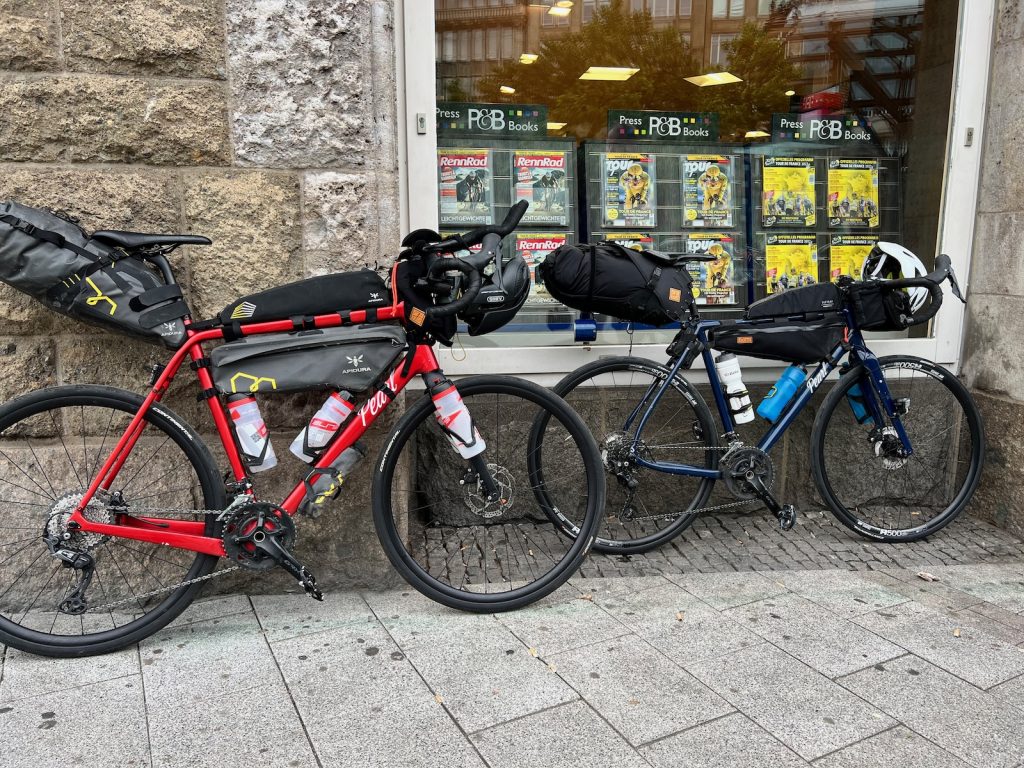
(955, 286)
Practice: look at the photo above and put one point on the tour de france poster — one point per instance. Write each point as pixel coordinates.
(787, 198)
(853, 192)
(846, 255)
(708, 188)
(465, 194)
(539, 177)
(714, 282)
(791, 261)
(637, 241)
(630, 194)
(534, 248)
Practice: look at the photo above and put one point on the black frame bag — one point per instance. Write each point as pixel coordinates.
(607, 279)
(789, 340)
(323, 295)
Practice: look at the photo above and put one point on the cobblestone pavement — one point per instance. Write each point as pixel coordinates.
(832, 668)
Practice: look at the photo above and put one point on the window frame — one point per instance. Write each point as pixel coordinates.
(415, 74)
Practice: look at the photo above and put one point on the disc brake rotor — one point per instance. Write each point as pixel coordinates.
(477, 501)
(889, 449)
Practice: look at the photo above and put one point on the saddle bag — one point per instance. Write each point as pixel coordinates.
(789, 340)
(605, 278)
(351, 358)
(52, 259)
(877, 308)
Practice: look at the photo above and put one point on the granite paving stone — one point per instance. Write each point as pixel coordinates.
(899, 746)
(1001, 586)
(729, 590)
(562, 626)
(973, 725)
(285, 616)
(729, 742)
(642, 694)
(839, 591)
(1011, 692)
(28, 675)
(800, 707)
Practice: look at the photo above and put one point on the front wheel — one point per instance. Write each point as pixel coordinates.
(442, 533)
(861, 470)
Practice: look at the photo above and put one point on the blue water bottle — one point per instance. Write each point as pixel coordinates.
(855, 397)
(778, 397)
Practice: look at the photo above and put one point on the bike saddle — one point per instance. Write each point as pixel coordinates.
(131, 240)
(670, 257)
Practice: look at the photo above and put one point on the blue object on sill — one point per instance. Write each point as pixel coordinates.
(585, 329)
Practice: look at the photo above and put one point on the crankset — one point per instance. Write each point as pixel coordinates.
(749, 473)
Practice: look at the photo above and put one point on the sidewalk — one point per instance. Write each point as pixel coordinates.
(835, 668)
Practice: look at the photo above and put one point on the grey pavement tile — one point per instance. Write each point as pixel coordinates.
(363, 703)
(972, 724)
(640, 692)
(899, 747)
(204, 659)
(213, 608)
(28, 675)
(1014, 621)
(604, 587)
(560, 627)
(93, 726)
(846, 593)
(958, 645)
(569, 736)
(798, 706)
(999, 584)
(830, 644)
(286, 616)
(415, 620)
(934, 594)
(681, 626)
(257, 726)
(729, 742)
(488, 677)
(729, 590)
(1011, 692)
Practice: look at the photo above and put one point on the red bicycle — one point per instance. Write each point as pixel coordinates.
(116, 513)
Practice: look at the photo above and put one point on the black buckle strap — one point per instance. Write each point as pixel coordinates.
(151, 318)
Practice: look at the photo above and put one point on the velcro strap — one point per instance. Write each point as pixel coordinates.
(233, 332)
(303, 322)
(155, 296)
(202, 362)
(371, 315)
(151, 318)
(206, 394)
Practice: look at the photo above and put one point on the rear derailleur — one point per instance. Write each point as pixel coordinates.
(75, 602)
(259, 536)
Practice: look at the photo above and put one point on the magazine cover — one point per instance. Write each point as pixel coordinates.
(464, 186)
(847, 254)
(708, 190)
(791, 261)
(787, 198)
(539, 177)
(630, 197)
(638, 241)
(852, 192)
(714, 282)
(534, 248)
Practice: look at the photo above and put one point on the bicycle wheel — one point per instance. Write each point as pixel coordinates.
(858, 470)
(52, 442)
(447, 540)
(644, 508)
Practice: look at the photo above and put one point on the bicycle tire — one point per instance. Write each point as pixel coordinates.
(830, 486)
(20, 411)
(608, 367)
(395, 546)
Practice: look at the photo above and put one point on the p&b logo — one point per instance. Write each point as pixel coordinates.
(827, 130)
(487, 119)
(665, 126)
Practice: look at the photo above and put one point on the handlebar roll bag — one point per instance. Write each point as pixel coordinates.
(877, 307)
(49, 257)
(353, 358)
(605, 278)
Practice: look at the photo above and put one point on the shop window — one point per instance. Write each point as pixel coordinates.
(719, 55)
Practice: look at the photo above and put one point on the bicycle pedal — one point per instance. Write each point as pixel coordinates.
(787, 515)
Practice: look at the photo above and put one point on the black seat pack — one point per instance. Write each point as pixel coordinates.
(351, 358)
(608, 279)
(337, 292)
(52, 259)
(808, 301)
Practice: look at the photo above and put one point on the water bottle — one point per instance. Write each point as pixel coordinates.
(453, 416)
(855, 397)
(323, 426)
(778, 397)
(326, 486)
(728, 367)
(252, 433)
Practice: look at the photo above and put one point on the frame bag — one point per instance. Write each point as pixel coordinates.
(807, 301)
(789, 340)
(352, 358)
(608, 279)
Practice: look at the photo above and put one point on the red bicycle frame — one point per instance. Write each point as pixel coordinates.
(189, 534)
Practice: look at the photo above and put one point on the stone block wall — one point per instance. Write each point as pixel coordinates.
(267, 125)
(994, 347)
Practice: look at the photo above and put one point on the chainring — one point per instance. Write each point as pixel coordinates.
(244, 527)
(737, 462)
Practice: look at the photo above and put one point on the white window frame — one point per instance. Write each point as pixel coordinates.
(415, 67)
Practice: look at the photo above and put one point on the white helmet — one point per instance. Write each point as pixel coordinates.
(891, 261)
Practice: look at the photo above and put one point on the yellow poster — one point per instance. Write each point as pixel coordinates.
(852, 192)
(791, 261)
(847, 254)
(787, 191)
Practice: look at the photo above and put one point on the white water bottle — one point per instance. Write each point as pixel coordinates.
(323, 426)
(728, 367)
(327, 487)
(252, 433)
(453, 416)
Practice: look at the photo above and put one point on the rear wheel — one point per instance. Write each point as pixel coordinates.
(442, 534)
(52, 443)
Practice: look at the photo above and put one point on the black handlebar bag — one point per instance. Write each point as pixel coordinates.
(607, 279)
(53, 260)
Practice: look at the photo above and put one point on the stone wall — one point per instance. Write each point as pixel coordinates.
(267, 125)
(994, 351)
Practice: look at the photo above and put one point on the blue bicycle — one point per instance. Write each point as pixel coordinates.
(895, 450)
